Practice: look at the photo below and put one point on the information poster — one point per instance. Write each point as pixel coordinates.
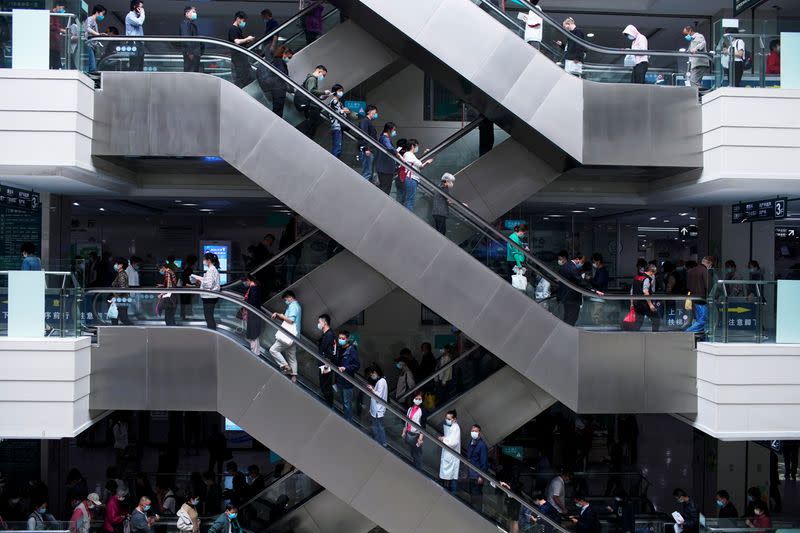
(20, 222)
(222, 249)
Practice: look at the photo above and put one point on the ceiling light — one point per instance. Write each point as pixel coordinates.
(191, 205)
(665, 220)
(546, 218)
(592, 208)
(652, 218)
(683, 214)
(590, 35)
(659, 229)
(641, 235)
(681, 49)
(207, 210)
(76, 204)
(578, 211)
(556, 216)
(692, 218)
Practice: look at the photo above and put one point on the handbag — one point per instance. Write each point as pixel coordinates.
(520, 282)
(283, 337)
(629, 322)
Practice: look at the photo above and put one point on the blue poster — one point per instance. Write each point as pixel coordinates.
(222, 249)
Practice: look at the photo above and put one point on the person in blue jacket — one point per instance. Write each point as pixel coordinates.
(478, 455)
(347, 357)
(29, 259)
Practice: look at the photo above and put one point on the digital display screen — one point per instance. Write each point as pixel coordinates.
(222, 250)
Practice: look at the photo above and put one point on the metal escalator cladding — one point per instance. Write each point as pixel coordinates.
(405, 249)
(148, 380)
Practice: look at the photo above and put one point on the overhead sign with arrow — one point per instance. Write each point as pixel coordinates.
(759, 210)
(784, 232)
(686, 232)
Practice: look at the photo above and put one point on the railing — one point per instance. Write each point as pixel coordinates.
(394, 420)
(69, 57)
(725, 49)
(742, 311)
(488, 245)
(62, 298)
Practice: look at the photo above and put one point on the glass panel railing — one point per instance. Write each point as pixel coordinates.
(294, 32)
(758, 63)
(63, 299)
(565, 293)
(405, 438)
(585, 58)
(742, 311)
(66, 45)
(277, 500)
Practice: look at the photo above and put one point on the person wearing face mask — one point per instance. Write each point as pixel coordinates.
(727, 512)
(570, 299)
(641, 62)
(283, 350)
(40, 519)
(441, 205)
(115, 514)
(191, 51)
(326, 348)
(188, 519)
(255, 481)
(120, 300)
(271, 85)
(348, 364)
(81, 519)
(514, 256)
(167, 300)
(385, 165)
(91, 29)
(449, 463)
(365, 153)
(209, 281)
(337, 93)
(412, 179)
(227, 522)
(698, 66)
(731, 275)
(774, 58)
(411, 434)
(241, 72)
(753, 274)
(377, 409)
(310, 111)
(587, 520)
(599, 283)
(689, 521)
(478, 455)
(761, 518)
(140, 521)
(405, 380)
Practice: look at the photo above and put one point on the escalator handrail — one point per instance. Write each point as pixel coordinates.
(274, 258)
(455, 137)
(451, 364)
(311, 349)
(300, 14)
(592, 46)
(481, 225)
(325, 17)
(269, 487)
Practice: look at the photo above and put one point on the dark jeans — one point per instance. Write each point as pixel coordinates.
(475, 494)
(639, 71)
(208, 311)
(191, 62)
(385, 182)
(55, 59)
(311, 123)
(169, 315)
(645, 311)
(738, 71)
(278, 101)
(400, 187)
(451, 485)
(440, 223)
(571, 312)
(416, 451)
(336, 143)
(241, 72)
(122, 316)
(326, 384)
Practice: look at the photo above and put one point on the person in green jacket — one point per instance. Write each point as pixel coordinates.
(227, 522)
(514, 256)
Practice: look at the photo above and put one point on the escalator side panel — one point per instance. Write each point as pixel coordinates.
(558, 358)
(350, 54)
(162, 369)
(620, 352)
(669, 379)
(324, 513)
(297, 426)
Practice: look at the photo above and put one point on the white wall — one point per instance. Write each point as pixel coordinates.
(748, 391)
(44, 387)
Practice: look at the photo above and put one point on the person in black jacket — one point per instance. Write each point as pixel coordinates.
(271, 85)
(569, 298)
(191, 51)
(727, 511)
(622, 513)
(574, 51)
(327, 350)
(689, 512)
(365, 153)
(587, 520)
(348, 364)
(254, 323)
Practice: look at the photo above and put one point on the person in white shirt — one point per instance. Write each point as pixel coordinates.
(134, 26)
(448, 466)
(641, 63)
(412, 179)
(133, 271)
(376, 408)
(533, 25)
(210, 282)
(735, 47)
(556, 491)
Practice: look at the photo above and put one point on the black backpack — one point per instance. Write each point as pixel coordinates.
(301, 101)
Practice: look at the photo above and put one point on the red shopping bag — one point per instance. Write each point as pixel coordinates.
(629, 322)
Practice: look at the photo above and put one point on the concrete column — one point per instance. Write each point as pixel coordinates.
(56, 219)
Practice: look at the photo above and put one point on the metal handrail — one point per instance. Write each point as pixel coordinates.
(325, 17)
(458, 135)
(275, 257)
(283, 26)
(311, 349)
(440, 371)
(481, 225)
(272, 485)
(596, 47)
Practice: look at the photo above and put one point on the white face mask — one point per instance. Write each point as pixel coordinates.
(448, 422)
(339, 94)
(417, 401)
(374, 377)
(319, 326)
(474, 435)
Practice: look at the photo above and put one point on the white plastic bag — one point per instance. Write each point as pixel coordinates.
(520, 282)
(573, 67)
(112, 312)
(543, 290)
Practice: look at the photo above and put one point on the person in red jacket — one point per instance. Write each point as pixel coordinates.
(115, 513)
(761, 519)
(774, 58)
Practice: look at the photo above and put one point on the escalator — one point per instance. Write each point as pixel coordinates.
(528, 95)
(196, 369)
(591, 368)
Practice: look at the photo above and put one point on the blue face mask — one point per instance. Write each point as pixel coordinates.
(375, 116)
(286, 59)
(194, 16)
(631, 38)
(233, 516)
(61, 10)
(242, 24)
(394, 133)
(720, 503)
(399, 366)
(101, 17)
(146, 508)
(287, 302)
(688, 37)
(321, 77)
(42, 510)
(342, 342)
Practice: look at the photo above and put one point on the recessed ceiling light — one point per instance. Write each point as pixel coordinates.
(76, 204)
(590, 35)
(683, 214)
(592, 208)
(178, 201)
(692, 218)
(652, 218)
(665, 220)
(556, 216)
(191, 205)
(546, 218)
(578, 211)
(102, 209)
(207, 210)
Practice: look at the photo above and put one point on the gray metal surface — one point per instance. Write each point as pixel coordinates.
(507, 392)
(528, 95)
(405, 249)
(352, 466)
(324, 513)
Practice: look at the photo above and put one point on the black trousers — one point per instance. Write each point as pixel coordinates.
(385, 182)
(122, 316)
(278, 101)
(642, 312)
(639, 72)
(326, 384)
(738, 71)
(571, 312)
(311, 123)
(169, 315)
(191, 62)
(440, 223)
(136, 61)
(208, 311)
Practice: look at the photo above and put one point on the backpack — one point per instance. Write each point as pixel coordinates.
(747, 60)
(301, 101)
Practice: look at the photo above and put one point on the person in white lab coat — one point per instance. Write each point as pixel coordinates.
(448, 467)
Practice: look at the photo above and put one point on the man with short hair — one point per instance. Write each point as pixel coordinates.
(241, 72)
(191, 51)
(311, 112)
(227, 522)
(698, 66)
(270, 25)
(91, 29)
(29, 259)
(365, 125)
(569, 298)
(283, 350)
(134, 25)
(587, 520)
(727, 511)
(697, 281)
(140, 522)
(326, 348)
(556, 491)
(574, 52)
(478, 455)
(449, 463)
(348, 364)
(690, 516)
